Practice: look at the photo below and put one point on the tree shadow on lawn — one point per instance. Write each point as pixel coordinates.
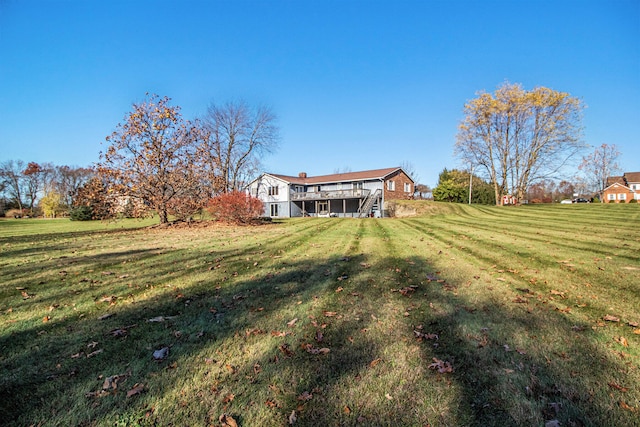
(504, 371)
(48, 369)
(520, 363)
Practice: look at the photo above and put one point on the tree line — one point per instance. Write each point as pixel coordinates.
(30, 189)
(154, 161)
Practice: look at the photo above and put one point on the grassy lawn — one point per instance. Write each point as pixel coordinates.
(478, 316)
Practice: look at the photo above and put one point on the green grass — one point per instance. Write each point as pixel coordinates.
(517, 297)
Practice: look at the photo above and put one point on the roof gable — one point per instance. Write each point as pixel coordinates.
(617, 184)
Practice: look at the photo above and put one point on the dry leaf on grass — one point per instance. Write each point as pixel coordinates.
(622, 341)
(442, 366)
(137, 389)
(313, 350)
(305, 396)
(292, 417)
(618, 387)
(227, 421)
(610, 318)
(292, 322)
(424, 336)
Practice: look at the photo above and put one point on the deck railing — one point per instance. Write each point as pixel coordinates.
(334, 194)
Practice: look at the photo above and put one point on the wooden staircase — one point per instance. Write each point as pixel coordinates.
(369, 202)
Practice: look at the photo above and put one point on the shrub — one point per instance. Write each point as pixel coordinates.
(81, 213)
(236, 207)
(633, 201)
(16, 213)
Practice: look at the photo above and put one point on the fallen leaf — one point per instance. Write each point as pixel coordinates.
(305, 396)
(94, 353)
(618, 387)
(425, 336)
(106, 316)
(284, 348)
(374, 362)
(228, 398)
(329, 313)
(292, 417)
(623, 405)
(622, 341)
(442, 366)
(270, 403)
(552, 423)
(388, 396)
(292, 322)
(313, 350)
(227, 421)
(118, 333)
(346, 410)
(610, 318)
(340, 289)
(112, 381)
(319, 337)
(137, 389)
(45, 319)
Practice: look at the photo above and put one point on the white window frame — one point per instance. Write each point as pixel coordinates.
(611, 196)
(407, 187)
(273, 190)
(622, 196)
(273, 209)
(391, 185)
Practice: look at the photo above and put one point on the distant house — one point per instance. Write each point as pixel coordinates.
(622, 189)
(352, 194)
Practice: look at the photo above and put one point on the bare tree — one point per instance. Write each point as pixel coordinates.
(68, 179)
(410, 170)
(237, 136)
(12, 177)
(601, 164)
(519, 136)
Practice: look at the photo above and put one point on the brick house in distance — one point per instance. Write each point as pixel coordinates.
(351, 194)
(622, 189)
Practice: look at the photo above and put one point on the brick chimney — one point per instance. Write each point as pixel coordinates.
(302, 175)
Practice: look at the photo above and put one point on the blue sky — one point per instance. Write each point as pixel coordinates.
(356, 84)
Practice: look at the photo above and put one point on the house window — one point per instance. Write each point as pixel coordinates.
(273, 209)
(407, 187)
(298, 189)
(357, 185)
(622, 196)
(273, 191)
(611, 196)
(322, 207)
(391, 185)
(318, 188)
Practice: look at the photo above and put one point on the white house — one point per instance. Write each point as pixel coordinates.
(351, 194)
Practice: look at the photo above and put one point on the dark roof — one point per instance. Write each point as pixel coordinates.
(632, 176)
(615, 179)
(339, 177)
